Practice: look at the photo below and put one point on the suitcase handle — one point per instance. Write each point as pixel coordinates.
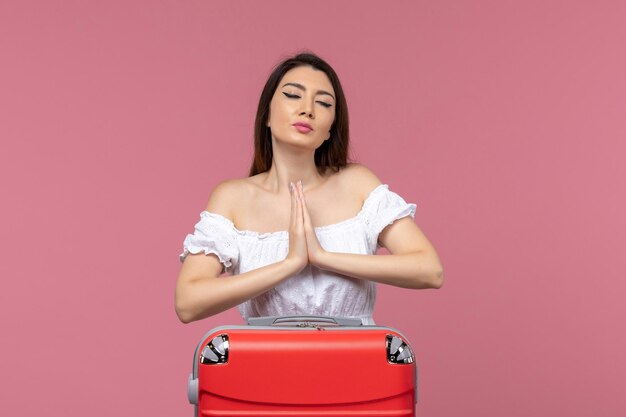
(269, 321)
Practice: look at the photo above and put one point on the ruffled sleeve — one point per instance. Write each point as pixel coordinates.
(382, 208)
(213, 234)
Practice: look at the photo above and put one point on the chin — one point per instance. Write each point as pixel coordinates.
(301, 141)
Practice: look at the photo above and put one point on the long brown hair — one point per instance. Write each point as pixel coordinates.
(333, 153)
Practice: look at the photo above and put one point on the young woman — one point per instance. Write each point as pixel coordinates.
(299, 235)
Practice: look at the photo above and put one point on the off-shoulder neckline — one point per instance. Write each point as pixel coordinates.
(285, 233)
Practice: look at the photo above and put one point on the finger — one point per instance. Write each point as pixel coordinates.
(300, 218)
(294, 205)
(305, 210)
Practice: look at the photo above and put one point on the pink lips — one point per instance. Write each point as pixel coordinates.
(302, 127)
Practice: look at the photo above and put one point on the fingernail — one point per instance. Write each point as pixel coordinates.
(291, 185)
(300, 183)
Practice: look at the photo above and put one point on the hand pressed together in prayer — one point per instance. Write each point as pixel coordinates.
(304, 247)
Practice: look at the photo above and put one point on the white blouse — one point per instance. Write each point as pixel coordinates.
(312, 291)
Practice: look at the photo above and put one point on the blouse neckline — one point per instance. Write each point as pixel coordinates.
(285, 233)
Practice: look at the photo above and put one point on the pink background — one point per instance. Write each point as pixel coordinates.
(503, 120)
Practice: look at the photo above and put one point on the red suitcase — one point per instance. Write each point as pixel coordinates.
(303, 366)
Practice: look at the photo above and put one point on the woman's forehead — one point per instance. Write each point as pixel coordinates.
(307, 77)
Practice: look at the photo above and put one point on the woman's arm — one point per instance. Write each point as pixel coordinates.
(413, 262)
(200, 292)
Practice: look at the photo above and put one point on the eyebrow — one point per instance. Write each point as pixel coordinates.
(303, 88)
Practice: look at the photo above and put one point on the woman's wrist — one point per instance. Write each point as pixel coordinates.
(321, 259)
(291, 266)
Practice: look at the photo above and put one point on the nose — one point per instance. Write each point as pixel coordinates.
(307, 109)
(308, 114)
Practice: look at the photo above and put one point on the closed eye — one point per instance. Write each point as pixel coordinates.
(323, 103)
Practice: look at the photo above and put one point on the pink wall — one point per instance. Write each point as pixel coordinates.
(503, 120)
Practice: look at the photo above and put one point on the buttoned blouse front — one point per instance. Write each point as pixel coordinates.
(312, 291)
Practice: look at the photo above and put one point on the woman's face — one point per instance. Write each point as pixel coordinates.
(304, 95)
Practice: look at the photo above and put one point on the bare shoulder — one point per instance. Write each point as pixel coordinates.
(360, 178)
(225, 195)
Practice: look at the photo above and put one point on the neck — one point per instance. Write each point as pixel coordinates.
(294, 166)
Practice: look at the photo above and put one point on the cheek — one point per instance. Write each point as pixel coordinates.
(279, 111)
(329, 122)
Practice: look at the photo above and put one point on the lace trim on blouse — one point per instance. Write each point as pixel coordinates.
(217, 234)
